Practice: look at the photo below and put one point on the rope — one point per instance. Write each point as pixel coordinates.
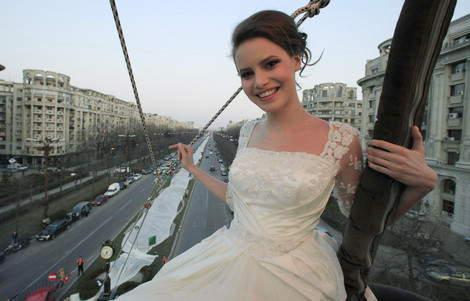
(310, 10)
(131, 76)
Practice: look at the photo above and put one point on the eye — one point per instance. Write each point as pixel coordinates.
(271, 64)
(246, 74)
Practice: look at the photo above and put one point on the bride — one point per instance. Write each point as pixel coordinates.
(279, 184)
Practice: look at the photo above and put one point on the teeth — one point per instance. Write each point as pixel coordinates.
(267, 93)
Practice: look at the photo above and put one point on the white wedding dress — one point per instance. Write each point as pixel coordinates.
(271, 250)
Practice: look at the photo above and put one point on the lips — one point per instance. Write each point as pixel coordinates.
(265, 94)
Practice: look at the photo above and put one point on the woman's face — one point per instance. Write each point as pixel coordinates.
(267, 73)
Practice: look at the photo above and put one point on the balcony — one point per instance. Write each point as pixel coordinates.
(455, 100)
(456, 76)
(454, 122)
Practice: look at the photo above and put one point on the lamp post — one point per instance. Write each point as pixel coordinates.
(46, 147)
(127, 136)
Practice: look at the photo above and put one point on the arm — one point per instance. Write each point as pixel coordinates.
(348, 176)
(185, 155)
(407, 166)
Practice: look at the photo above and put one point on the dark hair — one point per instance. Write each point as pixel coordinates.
(277, 27)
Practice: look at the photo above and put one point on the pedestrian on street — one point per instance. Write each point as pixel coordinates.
(80, 263)
(61, 274)
(164, 260)
(14, 237)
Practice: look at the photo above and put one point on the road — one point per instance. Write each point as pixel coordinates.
(27, 270)
(205, 213)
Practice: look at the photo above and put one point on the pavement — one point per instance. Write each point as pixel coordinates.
(40, 196)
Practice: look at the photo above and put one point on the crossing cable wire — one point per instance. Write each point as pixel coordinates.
(310, 10)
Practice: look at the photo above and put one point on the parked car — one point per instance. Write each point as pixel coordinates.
(449, 274)
(223, 173)
(220, 160)
(113, 189)
(80, 210)
(100, 200)
(212, 168)
(130, 180)
(53, 229)
(22, 167)
(137, 176)
(43, 294)
(122, 185)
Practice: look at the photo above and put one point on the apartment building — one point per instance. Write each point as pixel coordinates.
(46, 105)
(334, 102)
(446, 125)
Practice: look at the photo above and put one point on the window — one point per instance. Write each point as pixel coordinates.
(339, 91)
(458, 67)
(452, 158)
(448, 207)
(456, 90)
(372, 103)
(456, 134)
(324, 92)
(449, 186)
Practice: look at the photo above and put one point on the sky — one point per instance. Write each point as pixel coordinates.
(180, 50)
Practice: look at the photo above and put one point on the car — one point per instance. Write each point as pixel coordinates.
(223, 173)
(113, 189)
(220, 160)
(53, 169)
(100, 200)
(43, 294)
(122, 185)
(449, 274)
(137, 176)
(22, 167)
(210, 153)
(428, 259)
(80, 210)
(207, 156)
(130, 180)
(53, 229)
(212, 168)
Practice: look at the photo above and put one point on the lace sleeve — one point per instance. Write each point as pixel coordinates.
(229, 197)
(348, 175)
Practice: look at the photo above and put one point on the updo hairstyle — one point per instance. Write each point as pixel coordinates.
(278, 28)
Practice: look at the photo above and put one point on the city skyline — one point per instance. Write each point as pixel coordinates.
(180, 54)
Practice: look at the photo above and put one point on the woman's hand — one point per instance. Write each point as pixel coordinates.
(407, 166)
(185, 155)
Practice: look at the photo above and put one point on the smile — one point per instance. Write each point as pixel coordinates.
(267, 93)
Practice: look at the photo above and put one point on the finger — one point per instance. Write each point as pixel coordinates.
(173, 146)
(417, 139)
(380, 161)
(375, 153)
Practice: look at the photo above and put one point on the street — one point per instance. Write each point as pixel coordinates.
(26, 270)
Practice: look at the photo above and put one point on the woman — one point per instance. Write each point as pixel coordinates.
(285, 169)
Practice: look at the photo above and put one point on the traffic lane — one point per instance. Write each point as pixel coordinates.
(23, 269)
(205, 213)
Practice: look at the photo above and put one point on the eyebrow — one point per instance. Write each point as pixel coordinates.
(264, 61)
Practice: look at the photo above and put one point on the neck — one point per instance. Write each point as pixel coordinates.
(288, 118)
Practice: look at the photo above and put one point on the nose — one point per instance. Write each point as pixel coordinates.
(261, 79)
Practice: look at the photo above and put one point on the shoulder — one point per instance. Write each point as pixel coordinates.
(247, 128)
(344, 129)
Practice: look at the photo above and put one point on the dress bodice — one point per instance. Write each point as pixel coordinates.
(281, 195)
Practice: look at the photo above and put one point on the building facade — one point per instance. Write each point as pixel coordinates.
(334, 102)
(446, 125)
(46, 105)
